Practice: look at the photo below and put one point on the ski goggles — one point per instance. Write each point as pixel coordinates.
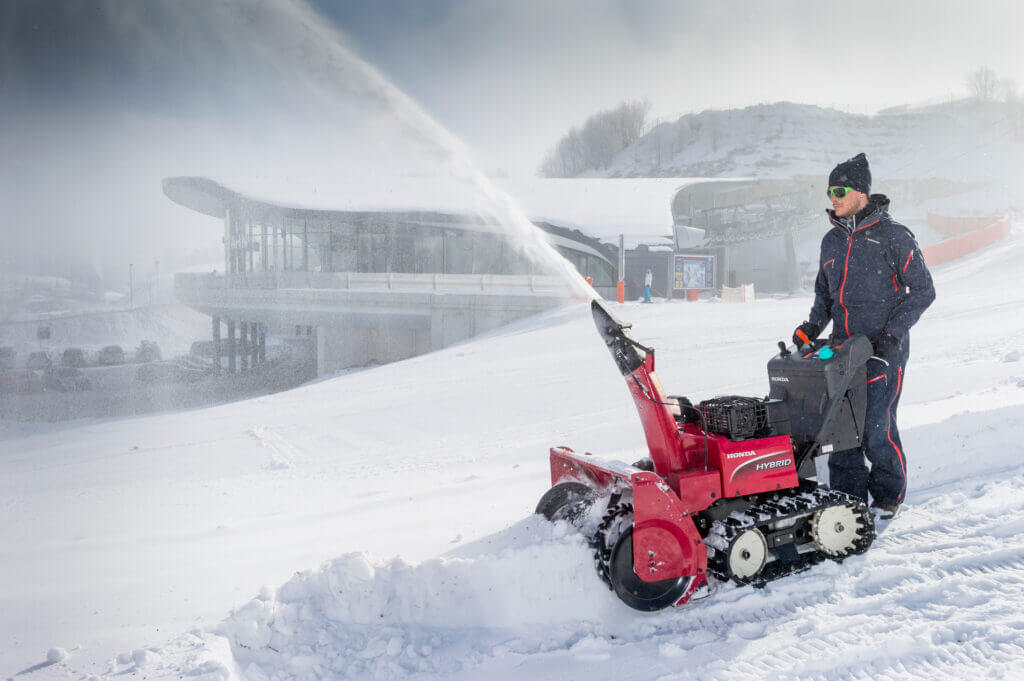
(838, 192)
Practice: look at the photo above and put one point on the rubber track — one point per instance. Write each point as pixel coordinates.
(772, 510)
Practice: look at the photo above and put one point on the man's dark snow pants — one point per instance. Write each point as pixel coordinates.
(887, 480)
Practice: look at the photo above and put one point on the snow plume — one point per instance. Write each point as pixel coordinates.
(320, 56)
(141, 91)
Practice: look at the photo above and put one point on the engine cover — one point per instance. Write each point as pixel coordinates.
(752, 466)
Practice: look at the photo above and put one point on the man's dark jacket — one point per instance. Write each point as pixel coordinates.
(872, 278)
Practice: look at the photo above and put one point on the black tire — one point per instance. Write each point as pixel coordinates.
(633, 591)
(566, 501)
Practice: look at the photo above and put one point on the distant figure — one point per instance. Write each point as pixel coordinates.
(648, 278)
(872, 280)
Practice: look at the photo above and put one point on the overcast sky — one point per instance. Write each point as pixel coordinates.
(511, 76)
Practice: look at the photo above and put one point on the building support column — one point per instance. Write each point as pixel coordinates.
(216, 343)
(232, 366)
(253, 347)
(263, 347)
(243, 346)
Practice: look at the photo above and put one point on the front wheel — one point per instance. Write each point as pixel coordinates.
(633, 591)
(566, 501)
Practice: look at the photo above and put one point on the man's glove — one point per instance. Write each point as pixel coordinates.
(805, 334)
(887, 345)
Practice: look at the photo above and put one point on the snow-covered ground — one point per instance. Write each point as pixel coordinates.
(378, 524)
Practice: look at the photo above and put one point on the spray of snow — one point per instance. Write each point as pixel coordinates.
(315, 50)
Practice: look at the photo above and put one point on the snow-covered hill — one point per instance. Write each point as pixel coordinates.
(960, 141)
(378, 525)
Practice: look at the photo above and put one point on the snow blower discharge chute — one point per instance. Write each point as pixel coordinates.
(729, 489)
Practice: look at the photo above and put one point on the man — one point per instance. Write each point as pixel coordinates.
(871, 280)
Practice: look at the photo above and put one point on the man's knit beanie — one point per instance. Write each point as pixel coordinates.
(852, 173)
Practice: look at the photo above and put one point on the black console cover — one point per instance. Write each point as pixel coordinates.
(813, 389)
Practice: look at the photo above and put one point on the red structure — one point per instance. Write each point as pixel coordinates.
(976, 233)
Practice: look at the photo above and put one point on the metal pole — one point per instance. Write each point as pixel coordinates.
(621, 286)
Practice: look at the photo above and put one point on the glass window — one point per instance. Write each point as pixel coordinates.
(372, 250)
(514, 261)
(458, 252)
(429, 251)
(343, 250)
(403, 259)
(380, 252)
(487, 254)
(601, 271)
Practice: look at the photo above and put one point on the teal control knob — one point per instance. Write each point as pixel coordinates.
(826, 353)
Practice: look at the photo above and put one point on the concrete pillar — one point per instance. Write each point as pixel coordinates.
(216, 342)
(231, 346)
(253, 346)
(243, 354)
(321, 351)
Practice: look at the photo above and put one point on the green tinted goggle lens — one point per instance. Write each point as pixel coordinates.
(838, 192)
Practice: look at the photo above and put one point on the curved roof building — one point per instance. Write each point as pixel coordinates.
(389, 269)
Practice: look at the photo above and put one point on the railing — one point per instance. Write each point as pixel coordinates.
(462, 283)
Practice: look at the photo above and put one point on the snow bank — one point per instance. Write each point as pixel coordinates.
(356, 617)
(526, 589)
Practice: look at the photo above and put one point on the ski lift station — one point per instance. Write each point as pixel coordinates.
(372, 276)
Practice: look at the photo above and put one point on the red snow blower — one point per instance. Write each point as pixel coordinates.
(730, 487)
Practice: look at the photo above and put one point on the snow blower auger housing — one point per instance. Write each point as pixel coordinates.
(729, 489)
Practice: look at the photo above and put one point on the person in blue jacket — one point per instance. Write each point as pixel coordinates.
(872, 280)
